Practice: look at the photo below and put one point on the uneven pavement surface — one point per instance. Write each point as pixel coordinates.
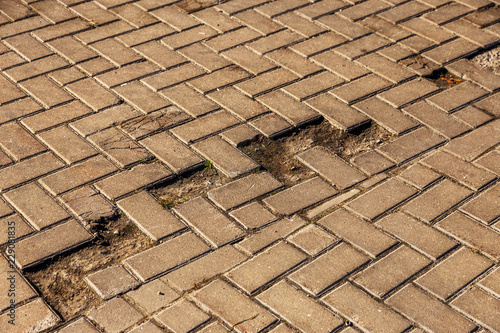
(104, 102)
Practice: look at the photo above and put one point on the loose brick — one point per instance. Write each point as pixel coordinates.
(103, 32)
(237, 103)
(359, 233)
(371, 162)
(299, 310)
(17, 142)
(270, 234)
(78, 174)
(266, 82)
(153, 296)
(111, 281)
(92, 94)
(212, 225)
(485, 207)
(204, 57)
(66, 144)
(453, 273)
(417, 234)
(491, 282)
(182, 317)
(331, 167)
(116, 315)
(300, 25)
(315, 45)
(175, 18)
(145, 34)
(470, 146)
(479, 305)
(143, 175)
(312, 240)
(28, 169)
(344, 27)
(232, 39)
(243, 190)
(385, 115)
(174, 154)
(118, 147)
(258, 22)
(271, 125)
(275, 41)
(141, 97)
(125, 74)
(313, 85)
(87, 204)
(329, 268)
(300, 196)
(463, 172)
(318, 210)
(150, 216)
(161, 55)
(36, 206)
(410, 145)
(437, 200)
(408, 92)
(163, 257)
(248, 60)
(480, 76)
(362, 46)
(337, 113)
(205, 268)
(104, 119)
(189, 100)
(173, 76)
(457, 96)
(453, 50)
(381, 199)
(188, 37)
(364, 311)
(361, 88)
(235, 309)
(32, 316)
(32, 250)
(252, 216)
(339, 65)
(471, 233)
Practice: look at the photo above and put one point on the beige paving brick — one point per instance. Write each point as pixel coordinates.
(81, 325)
(94, 13)
(344, 27)
(480, 76)
(317, 9)
(145, 34)
(329, 269)
(204, 57)
(235, 309)
(419, 176)
(92, 94)
(336, 112)
(312, 239)
(490, 161)
(248, 60)
(36, 206)
(273, 9)
(258, 22)
(232, 39)
(25, 25)
(312, 85)
(204, 269)
(182, 317)
(270, 234)
(134, 15)
(471, 233)
(212, 225)
(188, 37)
(189, 100)
(408, 92)
(299, 24)
(404, 12)
(10, 59)
(447, 13)
(362, 46)
(155, 121)
(293, 62)
(299, 310)
(163, 257)
(266, 82)
(17, 142)
(160, 55)
(32, 250)
(115, 52)
(173, 76)
(363, 9)
(61, 29)
(33, 316)
(484, 17)
(386, 68)
(417, 234)
(148, 326)
(87, 204)
(28, 169)
(141, 97)
(115, 315)
(428, 312)
(371, 162)
(393, 193)
(216, 20)
(282, 328)
(243, 190)
(486, 206)
(153, 296)
(339, 65)
(453, 50)
(103, 32)
(95, 66)
(320, 209)
(385, 115)
(318, 44)
(457, 96)
(411, 145)
(238, 6)
(428, 30)
(391, 271)
(472, 33)
(175, 18)
(21, 229)
(9, 92)
(5, 209)
(104, 119)
(149, 216)
(225, 157)
(52, 11)
(252, 216)
(491, 282)
(46, 92)
(271, 125)
(240, 135)
(219, 79)
(27, 46)
(386, 29)
(454, 273)
(463, 172)
(361, 88)
(108, 4)
(23, 289)
(359, 233)
(300, 196)
(111, 281)
(174, 154)
(480, 306)
(489, 104)
(331, 167)
(437, 200)
(364, 311)
(275, 41)
(125, 74)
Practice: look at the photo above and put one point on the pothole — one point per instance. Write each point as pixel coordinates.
(444, 79)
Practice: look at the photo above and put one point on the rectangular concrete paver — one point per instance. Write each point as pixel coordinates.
(182, 316)
(17, 142)
(480, 306)
(153, 296)
(485, 207)
(111, 281)
(116, 315)
(33, 316)
(408, 92)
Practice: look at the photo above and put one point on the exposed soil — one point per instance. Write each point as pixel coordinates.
(444, 79)
(61, 280)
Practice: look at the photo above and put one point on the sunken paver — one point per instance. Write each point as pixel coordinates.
(364, 311)
(153, 296)
(111, 281)
(243, 190)
(234, 308)
(205, 219)
(33, 250)
(182, 317)
(485, 207)
(300, 196)
(115, 315)
(150, 216)
(299, 310)
(331, 167)
(454, 273)
(35, 316)
(166, 256)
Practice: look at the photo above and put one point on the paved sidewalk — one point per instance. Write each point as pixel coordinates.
(100, 101)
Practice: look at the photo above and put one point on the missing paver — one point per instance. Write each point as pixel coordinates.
(61, 280)
(443, 79)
